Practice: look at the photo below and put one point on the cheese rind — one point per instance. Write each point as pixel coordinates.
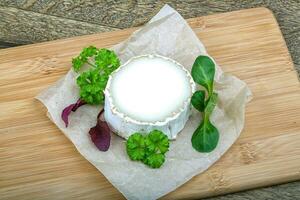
(148, 92)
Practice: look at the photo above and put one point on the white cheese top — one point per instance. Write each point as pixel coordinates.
(150, 88)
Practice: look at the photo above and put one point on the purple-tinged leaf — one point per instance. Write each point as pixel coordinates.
(100, 134)
(71, 108)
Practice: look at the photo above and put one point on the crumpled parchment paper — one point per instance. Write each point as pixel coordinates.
(169, 35)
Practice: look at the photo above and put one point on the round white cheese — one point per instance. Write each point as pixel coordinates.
(148, 92)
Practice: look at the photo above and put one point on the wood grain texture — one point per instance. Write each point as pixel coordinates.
(38, 162)
(97, 16)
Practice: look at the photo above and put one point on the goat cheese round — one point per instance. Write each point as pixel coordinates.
(148, 92)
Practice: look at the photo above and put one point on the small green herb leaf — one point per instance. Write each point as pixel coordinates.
(155, 160)
(198, 100)
(107, 60)
(203, 72)
(157, 142)
(211, 104)
(83, 57)
(91, 85)
(150, 149)
(93, 81)
(206, 137)
(135, 147)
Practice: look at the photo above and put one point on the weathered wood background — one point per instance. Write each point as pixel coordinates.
(32, 21)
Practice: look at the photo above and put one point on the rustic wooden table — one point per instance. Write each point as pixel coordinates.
(31, 21)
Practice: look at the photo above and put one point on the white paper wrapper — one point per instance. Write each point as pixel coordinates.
(169, 35)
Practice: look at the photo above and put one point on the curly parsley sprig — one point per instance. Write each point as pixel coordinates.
(149, 149)
(83, 57)
(91, 85)
(93, 82)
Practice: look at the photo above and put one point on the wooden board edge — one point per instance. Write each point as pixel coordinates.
(270, 12)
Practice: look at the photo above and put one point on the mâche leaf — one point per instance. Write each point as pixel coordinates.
(203, 72)
(206, 136)
(211, 104)
(198, 100)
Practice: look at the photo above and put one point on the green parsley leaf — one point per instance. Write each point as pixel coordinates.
(135, 147)
(83, 57)
(149, 149)
(91, 85)
(107, 60)
(93, 81)
(155, 160)
(157, 142)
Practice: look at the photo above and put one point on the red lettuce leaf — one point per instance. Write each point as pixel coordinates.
(71, 108)
(100, 134)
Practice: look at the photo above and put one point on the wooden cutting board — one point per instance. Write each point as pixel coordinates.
(38, 162)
